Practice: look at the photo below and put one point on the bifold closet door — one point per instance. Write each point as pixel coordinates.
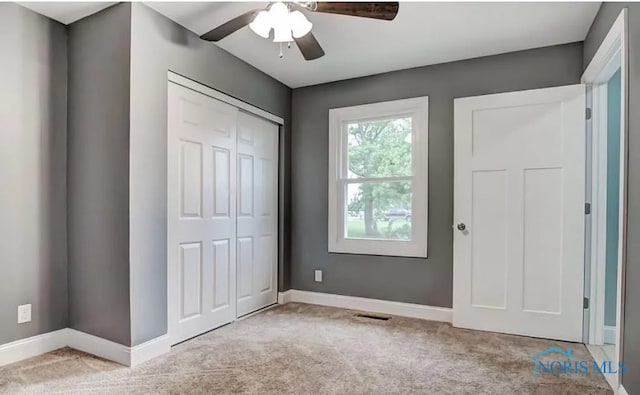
(201, 213)
(257, 167)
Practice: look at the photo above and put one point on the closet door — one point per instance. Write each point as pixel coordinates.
(257, 165)
(201, 213)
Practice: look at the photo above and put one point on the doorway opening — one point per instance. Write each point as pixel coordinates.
(604, 279)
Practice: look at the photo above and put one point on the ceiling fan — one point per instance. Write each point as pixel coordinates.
(290, 24)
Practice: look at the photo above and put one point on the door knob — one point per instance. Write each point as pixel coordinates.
(461, 226)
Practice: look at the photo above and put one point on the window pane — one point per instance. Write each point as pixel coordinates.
(380, 148)
(378, 210)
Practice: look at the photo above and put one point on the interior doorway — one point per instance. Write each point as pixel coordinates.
(604, 278)
(611, 208)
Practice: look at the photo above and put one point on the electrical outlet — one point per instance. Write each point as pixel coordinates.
(24, 313)
(318, 276)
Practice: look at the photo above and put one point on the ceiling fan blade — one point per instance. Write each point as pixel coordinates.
(384, 10)
(230, 26)
(309, 46)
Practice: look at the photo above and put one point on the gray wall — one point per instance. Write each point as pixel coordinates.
(158, 45)
(424, 281)
(33, 124)
(601, 25)
(98, 174)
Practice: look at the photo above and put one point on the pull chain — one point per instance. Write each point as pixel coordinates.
(288, 46)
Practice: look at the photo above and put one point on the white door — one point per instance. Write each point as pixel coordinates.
(519, 204)
(201, 213)
(257, 213)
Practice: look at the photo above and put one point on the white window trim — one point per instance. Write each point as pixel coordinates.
(419, 109)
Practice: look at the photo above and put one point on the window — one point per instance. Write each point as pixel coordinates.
(378, 178)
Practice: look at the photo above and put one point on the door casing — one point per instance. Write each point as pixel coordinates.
(610, 56)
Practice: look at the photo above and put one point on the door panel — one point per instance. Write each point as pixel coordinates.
(222, 266)
(245, 267)
(246, 183)
(519, 190)
(490, 241)
(201, 213)
(543, 240)
(222, 182)
(257, 216)
(190, 279)
(265, 248)
(191, 179)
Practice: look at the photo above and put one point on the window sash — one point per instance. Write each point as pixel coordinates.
(384, 180)
(344, 143)
(376, 179)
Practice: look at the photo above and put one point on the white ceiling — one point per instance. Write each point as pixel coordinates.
(66, 12)
(421, 34)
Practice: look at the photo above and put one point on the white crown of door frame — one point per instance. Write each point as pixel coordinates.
(216, 94)
(611, 55)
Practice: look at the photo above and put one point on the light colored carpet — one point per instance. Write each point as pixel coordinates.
(304, 349)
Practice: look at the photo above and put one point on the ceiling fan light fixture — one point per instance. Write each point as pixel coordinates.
(290, 23)
(278, 13)
(282, 34)
(300, 25)
(285, 23)
(261, 25)
(279, 18)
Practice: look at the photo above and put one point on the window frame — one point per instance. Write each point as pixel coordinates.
(418, 109)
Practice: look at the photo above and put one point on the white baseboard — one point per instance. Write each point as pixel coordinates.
(284, 297)
(98, 346)
(103, 348)
(124, 355)
(149, 350)
(412, 310)
(600, 356)
(32, 346)
(610, 334)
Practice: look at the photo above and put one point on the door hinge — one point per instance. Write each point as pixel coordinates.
(588, 113)
(587, 208)
(585, 303)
